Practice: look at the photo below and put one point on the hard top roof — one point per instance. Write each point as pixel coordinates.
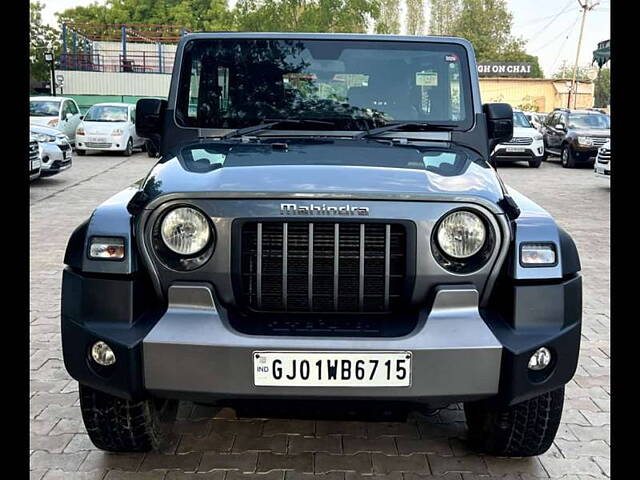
(327, 36)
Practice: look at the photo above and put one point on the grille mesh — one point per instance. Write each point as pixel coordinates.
(323, 266)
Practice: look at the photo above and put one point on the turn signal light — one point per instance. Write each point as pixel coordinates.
(538, 255)
(106, 248)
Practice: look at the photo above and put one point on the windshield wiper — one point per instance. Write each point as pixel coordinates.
(269, 123)
(398, 125)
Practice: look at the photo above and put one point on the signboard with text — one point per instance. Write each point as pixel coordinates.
(504, 69)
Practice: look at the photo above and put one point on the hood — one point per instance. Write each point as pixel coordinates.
(525, 132)
(335, 168)
(46, 130)
(592, 132)
(41, 120)
(102, 128)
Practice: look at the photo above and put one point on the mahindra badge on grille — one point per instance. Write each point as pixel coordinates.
(323, 209)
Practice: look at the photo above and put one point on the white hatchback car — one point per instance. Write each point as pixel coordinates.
(109, 127)
(61, 113)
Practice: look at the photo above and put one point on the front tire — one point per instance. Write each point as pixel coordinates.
(521, 430)
(535, 163)
(567, 157)
(118, 425)
(129, 150)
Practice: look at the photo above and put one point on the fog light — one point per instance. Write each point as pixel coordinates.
(102, 354)
(540, 359)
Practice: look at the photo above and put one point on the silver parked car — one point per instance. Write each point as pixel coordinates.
(55, 149)
(602, 167)
(34, 160)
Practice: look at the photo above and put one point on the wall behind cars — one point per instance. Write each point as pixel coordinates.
(541, 94)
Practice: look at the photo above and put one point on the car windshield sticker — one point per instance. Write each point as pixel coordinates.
(452, 57)
(427, 79)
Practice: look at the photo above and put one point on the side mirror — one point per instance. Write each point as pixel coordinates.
(149, 117)
(559, 126)
(499, 123)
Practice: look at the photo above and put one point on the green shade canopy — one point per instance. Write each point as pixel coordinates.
(602, 54)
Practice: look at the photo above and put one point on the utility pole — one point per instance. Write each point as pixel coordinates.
(587, 6)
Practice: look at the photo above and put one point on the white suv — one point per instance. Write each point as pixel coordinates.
(602, 167)
(526, 144)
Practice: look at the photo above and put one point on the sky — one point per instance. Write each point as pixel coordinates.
(550, 27)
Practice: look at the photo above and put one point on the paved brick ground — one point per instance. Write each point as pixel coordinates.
(225, 448)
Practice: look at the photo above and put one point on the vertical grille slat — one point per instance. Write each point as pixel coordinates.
(387, 265)
(259, 266)
(336, 264)
(310, 269)
(325, 267)
(285, 263)
(361, 272)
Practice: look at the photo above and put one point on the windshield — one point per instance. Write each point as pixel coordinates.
(519, 120)
(106, 113)
(589, 120)
(234, 83)
(44, 108)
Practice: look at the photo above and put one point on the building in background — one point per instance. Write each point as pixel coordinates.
(535, 94)
(101, 62)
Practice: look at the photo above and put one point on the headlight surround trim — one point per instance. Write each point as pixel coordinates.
(473, 263)
(177, 261)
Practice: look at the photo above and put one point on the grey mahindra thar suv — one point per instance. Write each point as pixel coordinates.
(323, 225)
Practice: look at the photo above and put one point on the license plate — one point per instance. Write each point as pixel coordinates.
(35, 164)
(98, 139)
(332, 369)
(515, 149)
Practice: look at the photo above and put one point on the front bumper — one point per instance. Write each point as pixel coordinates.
(514, 153)
(602, 170)
(55, 157)
(106, 143)
(190, 351)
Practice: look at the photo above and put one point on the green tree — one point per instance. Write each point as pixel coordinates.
(305, 15)
(388, 21)
(603, 88)
(42, 38)
(191, 14)
(254, 15)
(415, 17)
(444, 14)
(566, 71)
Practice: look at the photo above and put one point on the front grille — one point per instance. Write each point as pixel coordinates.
(599, 141)
(64, 146)
(604, 155)
(323, 266)
(97, 145)
(519, 141)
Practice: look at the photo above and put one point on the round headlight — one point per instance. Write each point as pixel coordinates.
(461, 234)
(185, 231)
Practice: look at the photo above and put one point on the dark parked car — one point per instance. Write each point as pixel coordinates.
(575, 135)
(323, 226)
